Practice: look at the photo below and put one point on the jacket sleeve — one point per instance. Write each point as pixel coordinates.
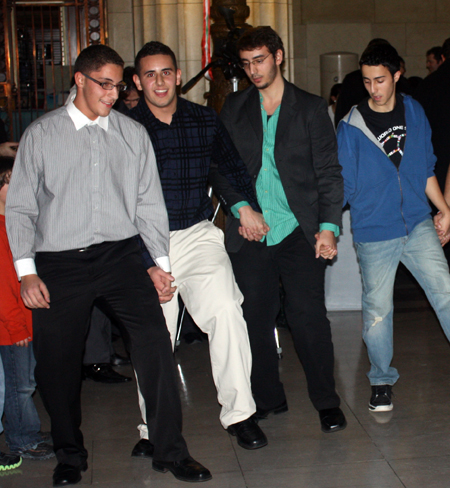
(228, 173)
(347, 160)
(326, 166)
(431, 158)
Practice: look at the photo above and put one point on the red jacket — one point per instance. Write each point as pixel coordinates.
(15, 318)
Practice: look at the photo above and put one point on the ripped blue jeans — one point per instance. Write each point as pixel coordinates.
(422, 254)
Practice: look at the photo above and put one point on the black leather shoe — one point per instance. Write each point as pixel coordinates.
(66, 474)
(186, 470)
(248, 434)
(103, 373)
(263, 414)
(332, 420)
(118, 360)
(143, 449)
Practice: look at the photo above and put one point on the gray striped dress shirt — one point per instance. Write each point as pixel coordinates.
(76, 183)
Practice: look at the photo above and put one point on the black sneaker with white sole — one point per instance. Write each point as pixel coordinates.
(380, 401)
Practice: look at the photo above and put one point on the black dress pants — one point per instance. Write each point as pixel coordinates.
(258, 269)
(112, 272)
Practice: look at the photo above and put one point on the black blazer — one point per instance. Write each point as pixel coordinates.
(305, 155)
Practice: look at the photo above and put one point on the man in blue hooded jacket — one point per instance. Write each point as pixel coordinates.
(388, 163)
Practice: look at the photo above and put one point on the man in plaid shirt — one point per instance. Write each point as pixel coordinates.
(190, 144)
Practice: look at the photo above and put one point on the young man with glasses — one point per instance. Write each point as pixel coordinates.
(286, 139)
(85, 182)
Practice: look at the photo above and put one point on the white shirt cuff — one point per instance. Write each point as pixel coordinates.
(25, 267)
(164, 263)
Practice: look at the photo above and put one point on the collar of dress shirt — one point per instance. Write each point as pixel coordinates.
(79, 119)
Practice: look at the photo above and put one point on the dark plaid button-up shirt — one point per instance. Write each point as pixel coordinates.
(185, 151)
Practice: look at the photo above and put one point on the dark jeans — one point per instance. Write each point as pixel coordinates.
(22, 424)
(258, 269)
(112, 272)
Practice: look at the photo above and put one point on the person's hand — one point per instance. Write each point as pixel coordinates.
(34, 292)
(253, 226)
(24, 343)
(163, 283)
(9, 149)
(326, 246)
(442, 226)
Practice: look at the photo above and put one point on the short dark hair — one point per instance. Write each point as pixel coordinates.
(446, 49)
(381, 54)
(6, 166)
(95, 57)
(377, 40)
(258, 37)
(152, 49)
(128, 73)
(335, 92)
(436, 52)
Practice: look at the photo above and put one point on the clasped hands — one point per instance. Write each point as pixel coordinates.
(442, 226)
(326, 246)
(253, 226)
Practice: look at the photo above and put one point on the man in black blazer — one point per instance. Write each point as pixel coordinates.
(286, 139)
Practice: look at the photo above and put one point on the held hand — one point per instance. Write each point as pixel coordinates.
(326, 246)
(24, 343)
(9, 149)
(253, 226)
(442, 226)
(246, 234)
(163, 283)
(34, 292)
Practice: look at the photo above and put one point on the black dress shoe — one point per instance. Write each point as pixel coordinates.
(103, 373)
(332, 420)
(248, 434)
(66, 474)
(263, 414)
(118, 360)
(143, 449)
(193, 338)
(186, 470)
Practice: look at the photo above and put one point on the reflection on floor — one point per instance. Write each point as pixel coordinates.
(408, 447)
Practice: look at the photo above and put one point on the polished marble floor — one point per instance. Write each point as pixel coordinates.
(408, 447)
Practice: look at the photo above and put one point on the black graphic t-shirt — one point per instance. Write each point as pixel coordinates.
(388, 127)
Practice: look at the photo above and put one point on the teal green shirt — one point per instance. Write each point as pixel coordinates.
(269, 189)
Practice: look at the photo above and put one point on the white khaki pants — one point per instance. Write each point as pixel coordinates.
(205, 281)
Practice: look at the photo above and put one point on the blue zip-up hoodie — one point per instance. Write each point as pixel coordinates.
(385, 202)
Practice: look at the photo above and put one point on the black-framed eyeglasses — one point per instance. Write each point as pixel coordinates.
(255, 62)
(106, 85)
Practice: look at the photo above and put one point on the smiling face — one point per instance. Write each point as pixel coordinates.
(92, 100)
(265, 70)
(380, 85)
(158, 79)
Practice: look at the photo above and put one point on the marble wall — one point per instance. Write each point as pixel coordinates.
(309, 28)
(320, 26)
(179, 24)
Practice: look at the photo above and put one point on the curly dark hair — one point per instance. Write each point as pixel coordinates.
(6, 166)
(381, 54)
(258, 37)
